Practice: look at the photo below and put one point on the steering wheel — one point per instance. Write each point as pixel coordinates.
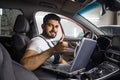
(89, 34)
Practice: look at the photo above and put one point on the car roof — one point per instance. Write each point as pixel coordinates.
(65, 7)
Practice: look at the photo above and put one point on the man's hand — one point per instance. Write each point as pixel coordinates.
(61, 46)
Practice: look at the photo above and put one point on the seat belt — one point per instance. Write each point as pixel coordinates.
(56, 55)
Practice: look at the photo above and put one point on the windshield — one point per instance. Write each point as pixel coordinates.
(93, 13)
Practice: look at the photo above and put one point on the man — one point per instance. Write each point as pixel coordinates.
(41, 49)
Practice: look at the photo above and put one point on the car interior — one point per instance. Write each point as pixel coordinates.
(19, 37)
(20, 21)
(11, 70)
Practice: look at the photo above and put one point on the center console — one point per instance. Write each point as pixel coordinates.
(106, 69)
(102, 71)
(111, 65)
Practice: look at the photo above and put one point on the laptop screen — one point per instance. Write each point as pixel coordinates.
(83, 54)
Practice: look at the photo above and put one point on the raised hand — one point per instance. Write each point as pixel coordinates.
(62, 45)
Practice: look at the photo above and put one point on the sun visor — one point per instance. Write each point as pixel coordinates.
(73, 6)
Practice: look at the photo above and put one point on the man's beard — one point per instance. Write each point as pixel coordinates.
(50, 34)
(53, 35)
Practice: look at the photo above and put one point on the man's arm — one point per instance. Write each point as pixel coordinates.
(32, 60)
(61, 60)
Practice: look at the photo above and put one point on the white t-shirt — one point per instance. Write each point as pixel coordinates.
(39, 44)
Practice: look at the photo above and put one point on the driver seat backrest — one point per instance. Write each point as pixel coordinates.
(20, 38)
(6, 70)
(10, 70)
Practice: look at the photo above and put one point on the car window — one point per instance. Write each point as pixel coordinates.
(93, 13)
(7, 20)
(70, 27)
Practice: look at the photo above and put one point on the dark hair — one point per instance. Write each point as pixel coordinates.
(51, 16)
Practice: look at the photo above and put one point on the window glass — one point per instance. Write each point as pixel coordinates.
(70, 27)
(106, 21)
(7, 20)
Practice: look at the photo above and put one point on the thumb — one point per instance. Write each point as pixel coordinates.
(62, 38)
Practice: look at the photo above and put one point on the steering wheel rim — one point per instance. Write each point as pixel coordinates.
(90, 34)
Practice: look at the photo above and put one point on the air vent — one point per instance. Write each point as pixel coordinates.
(46, 4)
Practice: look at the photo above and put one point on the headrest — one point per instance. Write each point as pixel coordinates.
(21, 24)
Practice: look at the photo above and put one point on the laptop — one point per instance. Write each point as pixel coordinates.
(82, 53)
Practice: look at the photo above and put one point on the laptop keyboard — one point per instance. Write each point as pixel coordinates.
(59, 67)
(63, 68)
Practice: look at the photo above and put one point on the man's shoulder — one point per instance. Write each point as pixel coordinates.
(37, 38)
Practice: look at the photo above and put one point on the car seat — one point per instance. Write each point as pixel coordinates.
(10, 70)
(20, 38)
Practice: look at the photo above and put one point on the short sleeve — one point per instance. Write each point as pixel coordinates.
(38, 44)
